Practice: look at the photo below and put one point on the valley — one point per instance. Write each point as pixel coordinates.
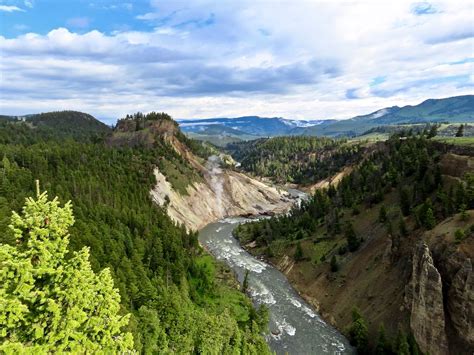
(383, 239)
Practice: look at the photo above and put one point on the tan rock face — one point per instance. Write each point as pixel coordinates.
(286, 264)
(237, 194)
(461, 303)
(333, 180)
(424, 296)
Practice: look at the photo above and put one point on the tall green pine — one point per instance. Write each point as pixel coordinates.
(50, 302)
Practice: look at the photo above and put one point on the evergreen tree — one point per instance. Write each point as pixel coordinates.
(425, 216)
(383, 344)
(401, 346)
(464, 215)
(298, 252)
(414, 349)
(460, 132)
(262, 317)
(52, 303)
(353, 242)
(433, 131)
(405, 201)
(429, 220)
(358, 332)
(245, 284)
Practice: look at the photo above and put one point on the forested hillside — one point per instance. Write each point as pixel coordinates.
(63, 124)
(358, 242)
(166, 281)
(300, 160)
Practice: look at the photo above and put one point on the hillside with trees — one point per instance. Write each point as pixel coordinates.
(299, 160)
(63, 124)
(178, 298)
(358, 241)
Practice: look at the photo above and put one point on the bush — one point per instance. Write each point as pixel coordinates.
(459, 235)
(342, 250)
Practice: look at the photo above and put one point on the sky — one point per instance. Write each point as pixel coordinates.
(297, 59)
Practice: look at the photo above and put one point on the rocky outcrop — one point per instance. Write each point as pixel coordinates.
(461, 303)
(456, 165)
(424, 297)
(144, 133)
(286, 264)
(332, 180)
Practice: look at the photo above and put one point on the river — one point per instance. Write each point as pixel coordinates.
(295, 328)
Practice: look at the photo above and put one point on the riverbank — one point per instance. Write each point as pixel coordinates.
(285, 266)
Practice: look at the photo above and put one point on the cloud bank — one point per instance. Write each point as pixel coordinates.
(201, 58)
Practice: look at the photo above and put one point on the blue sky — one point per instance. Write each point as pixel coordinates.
(298, 59)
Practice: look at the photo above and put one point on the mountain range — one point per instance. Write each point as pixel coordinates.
(451, 110)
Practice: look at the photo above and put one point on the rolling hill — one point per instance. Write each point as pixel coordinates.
(62, 123)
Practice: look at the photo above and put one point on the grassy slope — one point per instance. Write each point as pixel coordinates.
(462, 141)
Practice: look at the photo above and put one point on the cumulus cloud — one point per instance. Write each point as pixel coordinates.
(10, 8)
(206, 58)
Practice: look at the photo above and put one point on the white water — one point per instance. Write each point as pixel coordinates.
(295, 328)
(216, 181)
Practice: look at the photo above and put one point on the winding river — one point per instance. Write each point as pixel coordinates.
(295, 328)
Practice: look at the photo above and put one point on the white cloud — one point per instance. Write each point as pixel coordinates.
(10, 8)
(207, 58)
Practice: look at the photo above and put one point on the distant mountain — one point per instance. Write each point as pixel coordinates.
(452, 110)
(63, 122)
(244, 126)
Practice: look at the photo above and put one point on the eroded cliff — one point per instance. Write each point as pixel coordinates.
(224, 193)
